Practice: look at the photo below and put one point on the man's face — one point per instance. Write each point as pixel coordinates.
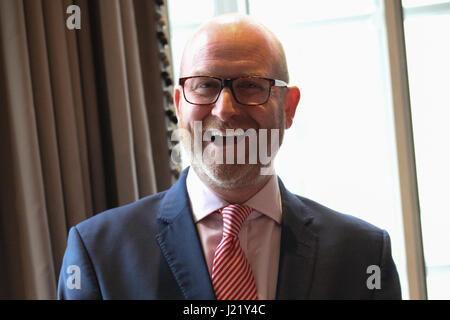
(227, 54)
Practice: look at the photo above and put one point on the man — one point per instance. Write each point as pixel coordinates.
(228, 229)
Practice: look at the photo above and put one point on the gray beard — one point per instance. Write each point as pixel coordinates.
(222, 176)
(228, 176)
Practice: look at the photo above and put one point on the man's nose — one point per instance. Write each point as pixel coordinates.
(225, 106)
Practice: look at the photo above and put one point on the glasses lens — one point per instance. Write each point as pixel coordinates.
(251, 91)
(201, 90)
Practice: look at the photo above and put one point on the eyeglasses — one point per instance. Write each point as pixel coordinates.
(249, 91)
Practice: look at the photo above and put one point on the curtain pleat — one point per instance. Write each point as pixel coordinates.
(46, 127)
(63, 100)
(117, 90)
(141, 132)
(29, 248)
(74, 66)
(83, 126)
(153, 88)
(92, 117)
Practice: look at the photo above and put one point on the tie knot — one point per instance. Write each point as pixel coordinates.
(234, 216)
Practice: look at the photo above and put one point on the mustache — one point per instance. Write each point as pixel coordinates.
(219, 125)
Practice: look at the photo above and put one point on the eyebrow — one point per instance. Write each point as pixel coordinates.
(209, 74)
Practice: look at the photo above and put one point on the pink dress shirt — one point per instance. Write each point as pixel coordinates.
(259, 236)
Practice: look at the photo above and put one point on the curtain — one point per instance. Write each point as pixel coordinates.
(85, 122)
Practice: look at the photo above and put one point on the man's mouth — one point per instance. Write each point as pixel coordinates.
(223, 138)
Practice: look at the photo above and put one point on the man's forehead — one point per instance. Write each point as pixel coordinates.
(227, 69)
(226, 53)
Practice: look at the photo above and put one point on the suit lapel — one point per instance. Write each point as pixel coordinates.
(180, 244)
(297, 249)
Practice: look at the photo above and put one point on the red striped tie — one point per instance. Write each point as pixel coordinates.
(232, 276)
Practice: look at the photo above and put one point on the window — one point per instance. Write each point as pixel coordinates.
(182, 25)
(428, 50)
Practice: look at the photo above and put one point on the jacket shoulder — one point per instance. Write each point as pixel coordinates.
(132, 216)
(325, 217)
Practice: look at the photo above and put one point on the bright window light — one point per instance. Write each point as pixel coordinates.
(428, 52)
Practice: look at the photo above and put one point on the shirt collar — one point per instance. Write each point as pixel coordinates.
(266, 201)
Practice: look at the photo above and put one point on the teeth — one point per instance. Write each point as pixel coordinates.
(214, 135)
(218, 133)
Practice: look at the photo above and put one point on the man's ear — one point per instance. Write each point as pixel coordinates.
(177, 98)
(291, 100)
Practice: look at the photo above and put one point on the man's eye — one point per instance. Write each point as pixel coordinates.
(203, 87)
(207, 85)
(250, 85)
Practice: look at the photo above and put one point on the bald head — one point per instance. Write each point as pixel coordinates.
(236, 34)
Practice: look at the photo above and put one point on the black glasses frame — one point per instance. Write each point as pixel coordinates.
(229, 83)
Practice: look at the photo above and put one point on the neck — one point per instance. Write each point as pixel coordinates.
(240, 194)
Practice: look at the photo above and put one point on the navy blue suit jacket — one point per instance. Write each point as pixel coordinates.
(150, 249)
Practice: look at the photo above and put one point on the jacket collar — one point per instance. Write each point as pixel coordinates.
(180, 244)
(297, 248)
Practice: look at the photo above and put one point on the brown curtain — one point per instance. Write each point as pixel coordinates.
(85, 122)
